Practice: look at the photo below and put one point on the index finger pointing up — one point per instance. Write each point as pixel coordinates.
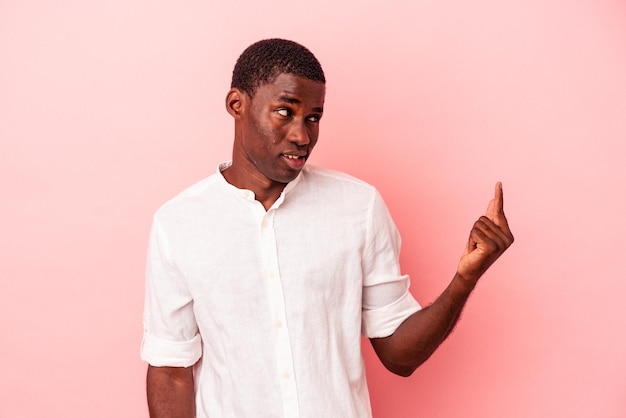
(498, 211)
(495, 210)
(499, 198)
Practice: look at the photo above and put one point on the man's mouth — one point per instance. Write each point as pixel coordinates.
(293, 157)
(295, 161)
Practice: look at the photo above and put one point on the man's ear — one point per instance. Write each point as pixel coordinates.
(235, 102)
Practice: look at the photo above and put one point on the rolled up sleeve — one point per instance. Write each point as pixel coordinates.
(171, 336)
(387, 301)
(382, 321)
(159, 352)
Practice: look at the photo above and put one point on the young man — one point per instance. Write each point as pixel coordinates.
(262, 277)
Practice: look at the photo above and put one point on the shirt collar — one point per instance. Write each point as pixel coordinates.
(249, 194)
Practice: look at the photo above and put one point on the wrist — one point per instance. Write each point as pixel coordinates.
(463, 283)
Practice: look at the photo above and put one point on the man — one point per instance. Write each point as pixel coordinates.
(262, 277)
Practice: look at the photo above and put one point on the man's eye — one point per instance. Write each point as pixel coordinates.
(314, 118)
(283, 112)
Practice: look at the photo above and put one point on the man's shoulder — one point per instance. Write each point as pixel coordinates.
(336, 193)
(338, 179)
(190, 196)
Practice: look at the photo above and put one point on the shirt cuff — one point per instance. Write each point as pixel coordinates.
(164, 353)
(382, 322)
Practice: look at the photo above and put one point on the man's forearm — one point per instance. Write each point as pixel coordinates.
(170, 392)
(420, 334)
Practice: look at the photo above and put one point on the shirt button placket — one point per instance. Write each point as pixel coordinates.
(284, 355)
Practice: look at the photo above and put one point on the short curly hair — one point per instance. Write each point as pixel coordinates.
(265, 60)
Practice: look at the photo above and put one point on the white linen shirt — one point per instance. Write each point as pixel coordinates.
(270, 305)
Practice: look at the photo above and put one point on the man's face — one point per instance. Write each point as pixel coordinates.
(280, 126)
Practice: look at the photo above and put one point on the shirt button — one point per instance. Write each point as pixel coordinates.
(286, 375)
(279, 324)
(265, 223)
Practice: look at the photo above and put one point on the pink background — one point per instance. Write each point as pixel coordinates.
(109, 108)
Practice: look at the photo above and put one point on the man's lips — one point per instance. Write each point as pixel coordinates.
(295, 155)
(295, 160)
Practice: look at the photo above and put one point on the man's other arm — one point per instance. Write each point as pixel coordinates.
(170, 392)
(420, 334)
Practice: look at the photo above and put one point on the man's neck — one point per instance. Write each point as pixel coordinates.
(265, 191)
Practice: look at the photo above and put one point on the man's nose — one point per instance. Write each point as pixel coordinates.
(299, 134)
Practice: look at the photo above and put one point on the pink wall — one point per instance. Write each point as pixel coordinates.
(109, 108)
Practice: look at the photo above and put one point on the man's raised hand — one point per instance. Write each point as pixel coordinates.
(489, 238)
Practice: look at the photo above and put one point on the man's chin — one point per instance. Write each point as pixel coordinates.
(286, 177)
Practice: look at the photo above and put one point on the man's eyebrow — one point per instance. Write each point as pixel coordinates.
(288, 99)
(292, 100)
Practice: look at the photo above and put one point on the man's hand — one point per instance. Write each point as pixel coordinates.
(489, 238)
